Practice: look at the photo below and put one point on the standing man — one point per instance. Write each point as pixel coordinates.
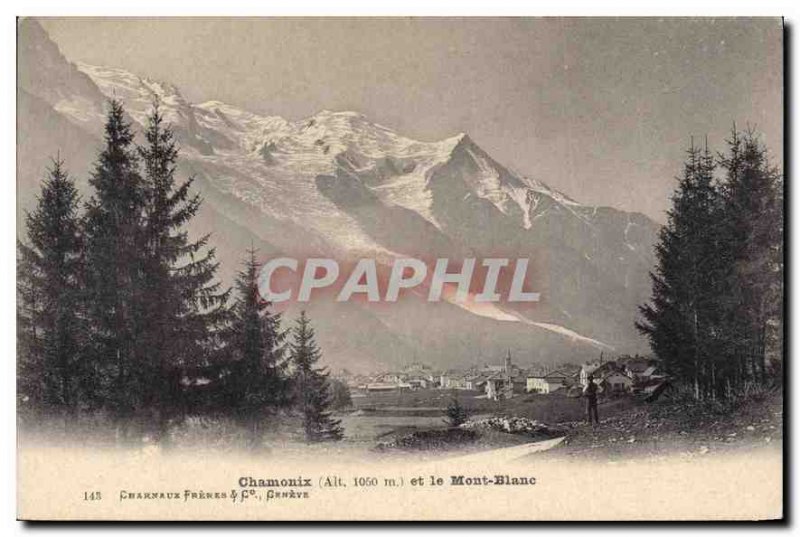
(590, 392)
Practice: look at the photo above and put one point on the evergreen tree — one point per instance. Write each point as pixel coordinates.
(30, 362)
(312, 390)
(681, 319)
(717, 288)
(182, 304)
(257, 347)
(115, 240)
(754, 233)
(49, 276)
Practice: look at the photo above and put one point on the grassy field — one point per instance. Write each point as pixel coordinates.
(551, 409)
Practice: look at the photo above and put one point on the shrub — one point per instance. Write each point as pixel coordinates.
(455, 414)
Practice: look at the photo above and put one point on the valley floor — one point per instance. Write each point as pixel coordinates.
(412, 424)
(629, 428)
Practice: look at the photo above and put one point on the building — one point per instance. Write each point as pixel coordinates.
(616, 382)
(475, 382)
(548, 383)
(597, 370)
(611, 377)
(641, 370)
(456, 381)
(506, 382)
(387, 387)
(652, 372)
(418, 383)
(444, 378)
(636, 366)
(497, 386)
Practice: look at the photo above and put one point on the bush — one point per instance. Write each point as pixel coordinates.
(455, 414)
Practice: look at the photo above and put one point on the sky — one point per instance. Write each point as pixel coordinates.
(601, 109)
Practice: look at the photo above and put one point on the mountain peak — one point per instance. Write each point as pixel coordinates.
(338, 185)
(127, 84)
(459, 141)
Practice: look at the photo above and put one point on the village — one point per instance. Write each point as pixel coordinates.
(643, 412)
(619, 376)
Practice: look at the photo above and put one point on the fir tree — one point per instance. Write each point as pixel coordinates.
(115, 240)
(312, 390)
(257, 346)
(717, 289)
(681, 319)
(183, 306)
(30, 362)
(50, 321)
(754, 235)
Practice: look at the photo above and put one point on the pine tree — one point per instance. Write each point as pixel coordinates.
(182, 304)
(257, 347)
(30, 361)
(49, 277)
(681, 319)
(717, 289)
(115, 240)
(754, 234)
(312, 390)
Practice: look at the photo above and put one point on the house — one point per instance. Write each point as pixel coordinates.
(418, 383)
(506, 381)
(586, 370)
(475, 382)
(519, 383)
(444, 378)
(641, 369)
(497, 386)
(616, 382)
(543, 385)
(611, 377)
(391, 378)
(635, 367)
(655, 388)
(548, 383)
(597, 370)
(419, 371)
(457, 382)
(652, 372)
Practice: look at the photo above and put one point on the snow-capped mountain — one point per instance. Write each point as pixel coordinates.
(339, 185)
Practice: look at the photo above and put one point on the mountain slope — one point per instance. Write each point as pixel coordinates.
(337, 185)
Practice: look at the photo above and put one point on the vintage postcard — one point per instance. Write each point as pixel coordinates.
(422, 269)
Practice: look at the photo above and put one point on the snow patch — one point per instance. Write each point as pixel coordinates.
(492, 311)
(272, 163)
